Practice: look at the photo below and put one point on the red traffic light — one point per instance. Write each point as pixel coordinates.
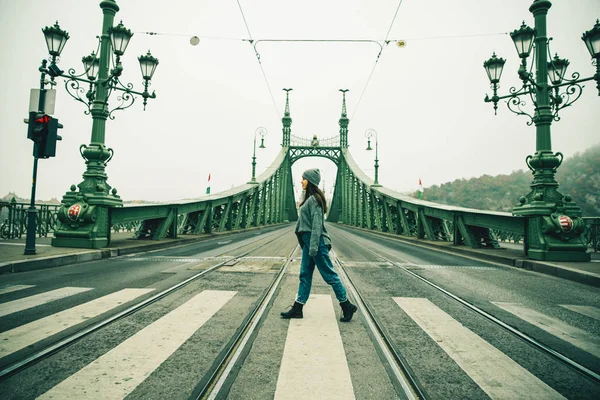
(43, 119)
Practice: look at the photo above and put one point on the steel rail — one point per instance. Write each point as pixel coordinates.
(400, 369)
(528, 339)
(566, 360)
(215, 384)
(26, 362)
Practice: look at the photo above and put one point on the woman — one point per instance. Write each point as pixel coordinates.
(315, 244)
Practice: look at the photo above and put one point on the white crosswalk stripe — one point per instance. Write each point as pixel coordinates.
(118, 372)
(28, 334)
(313, 348)
(14, 288)
(39, 299)
(497, 374)
(315, 353)
(591, 312)
(577, 337)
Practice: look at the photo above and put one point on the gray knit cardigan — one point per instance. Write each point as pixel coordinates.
(311, 220)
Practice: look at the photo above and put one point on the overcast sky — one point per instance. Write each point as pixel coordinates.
(424, 100)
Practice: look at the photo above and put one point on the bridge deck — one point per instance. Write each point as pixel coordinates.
(12, 258)
(201, 318)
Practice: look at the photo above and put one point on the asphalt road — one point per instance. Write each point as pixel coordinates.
(166, 350)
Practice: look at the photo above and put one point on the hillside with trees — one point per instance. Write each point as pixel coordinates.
(578, 176)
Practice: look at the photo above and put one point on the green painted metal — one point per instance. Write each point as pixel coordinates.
(268, 201)
(84, 219)
(91, 227)
(14, 219)
(554, 224)
(357, 201)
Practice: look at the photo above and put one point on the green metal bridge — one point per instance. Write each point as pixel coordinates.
(549, 223)
(269, 199)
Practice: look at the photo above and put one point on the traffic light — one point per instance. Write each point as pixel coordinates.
(37, 124)
(43, 130)
(48, 147)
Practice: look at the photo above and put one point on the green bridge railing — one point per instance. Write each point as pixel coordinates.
(356, 202)
(268, 201)
(359, 202)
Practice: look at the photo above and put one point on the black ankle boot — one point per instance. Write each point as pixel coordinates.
(348, 309)
(294, 312)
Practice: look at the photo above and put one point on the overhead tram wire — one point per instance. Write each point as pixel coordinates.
(385, 41)
(381, 47)
(318, 40)
(258, 58)
(186, 35)
(458, 36)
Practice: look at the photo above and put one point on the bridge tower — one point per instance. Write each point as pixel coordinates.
(344, 121)
(287, 120)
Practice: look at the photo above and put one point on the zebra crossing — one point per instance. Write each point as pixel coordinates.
(577, 337)
(118, 372)
(33, 332)
(496, 373)
(39, 299)
(314, 345)
(313, 348)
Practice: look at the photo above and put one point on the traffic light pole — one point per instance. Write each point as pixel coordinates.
(32, 212)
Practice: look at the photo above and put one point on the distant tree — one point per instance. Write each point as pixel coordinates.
(578, 177)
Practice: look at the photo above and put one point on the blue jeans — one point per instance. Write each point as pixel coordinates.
(323, 263)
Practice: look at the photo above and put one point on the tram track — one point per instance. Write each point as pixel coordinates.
(556, 355)
(398, 369)
(233, 355)
(51, 349)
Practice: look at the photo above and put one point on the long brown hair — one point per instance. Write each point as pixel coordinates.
(313, 190)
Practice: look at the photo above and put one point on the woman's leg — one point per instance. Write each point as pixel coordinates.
(307, 267)
(325, 266)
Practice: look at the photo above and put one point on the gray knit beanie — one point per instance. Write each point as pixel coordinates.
(313, 176)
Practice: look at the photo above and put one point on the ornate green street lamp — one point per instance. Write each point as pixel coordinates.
(554, 226)
(262, 132)
(84, 215)
(592, 41)
(369, 134)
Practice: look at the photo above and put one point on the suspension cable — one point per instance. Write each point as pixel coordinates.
(385, 41)
(259, 63)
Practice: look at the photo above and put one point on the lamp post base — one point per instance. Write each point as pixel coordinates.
(555, 235)
(84, 219)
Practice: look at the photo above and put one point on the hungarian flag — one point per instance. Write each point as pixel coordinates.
(208, 187)
(420, 189)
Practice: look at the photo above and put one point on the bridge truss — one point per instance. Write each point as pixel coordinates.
(356, 202)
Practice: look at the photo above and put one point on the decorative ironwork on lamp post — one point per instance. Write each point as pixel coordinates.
(84, 216)
(369, 134)
(262, 132)
(553, 222)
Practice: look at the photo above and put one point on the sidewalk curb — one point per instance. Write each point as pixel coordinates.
(99, 254)
(559, 271)
(546, 268)
(84, 256)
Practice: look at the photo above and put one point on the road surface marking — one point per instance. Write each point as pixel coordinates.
(577, 337)
(496, 373)
(118, 372)
(314, 363)
(591, 312)
(14, 288)
(39, 299)
(33, 332)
